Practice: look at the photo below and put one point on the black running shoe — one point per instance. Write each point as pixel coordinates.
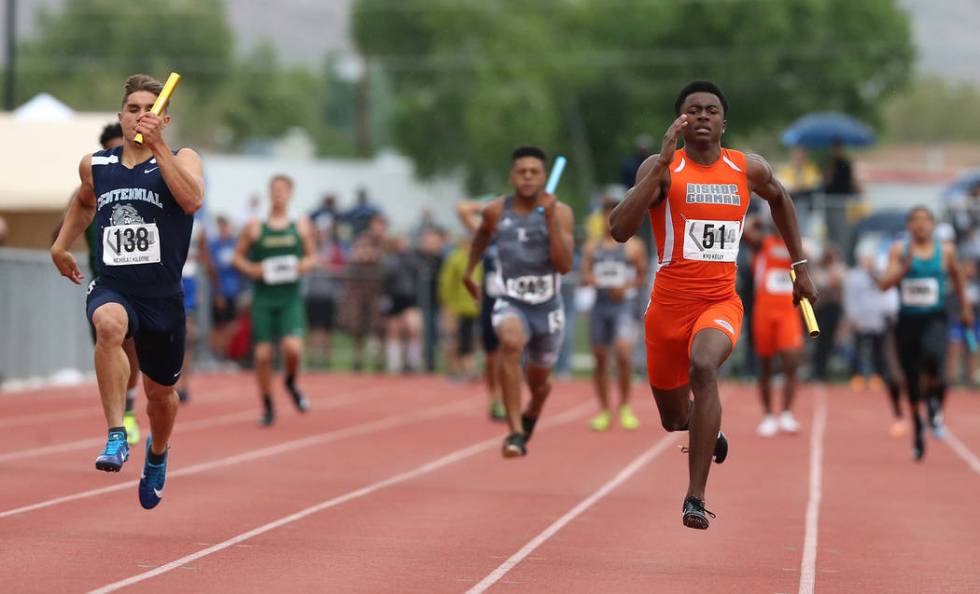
(302, 404)
(721, 448)
(183, 396)
(695, 516)
(919, 446)
(528, 423)
(268, 417)
(515, 445)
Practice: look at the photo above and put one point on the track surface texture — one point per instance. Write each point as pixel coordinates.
(397, 485)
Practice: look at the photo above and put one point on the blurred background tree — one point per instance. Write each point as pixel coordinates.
(472, 78)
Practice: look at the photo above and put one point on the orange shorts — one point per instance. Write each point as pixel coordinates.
(670, 331)
(776, 330)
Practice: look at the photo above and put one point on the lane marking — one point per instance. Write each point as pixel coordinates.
(305, 442)
(327, 403)
(962, 451)
(621, 477)
(809, 561)
(461, 454)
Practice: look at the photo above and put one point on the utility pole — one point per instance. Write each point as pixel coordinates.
(9, 83)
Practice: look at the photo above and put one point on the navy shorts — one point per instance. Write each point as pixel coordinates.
(158, 326)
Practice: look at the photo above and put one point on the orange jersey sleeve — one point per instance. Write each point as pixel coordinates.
(698, 228)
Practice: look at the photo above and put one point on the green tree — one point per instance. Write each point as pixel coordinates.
(931, 110)
(83, 54)
(471, 79)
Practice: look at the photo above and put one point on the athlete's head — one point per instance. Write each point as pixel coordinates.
(224, 227)
(139, 93)
(706, 109)
(920, 223)
(111, 137)
(527, 171)
(280, 191)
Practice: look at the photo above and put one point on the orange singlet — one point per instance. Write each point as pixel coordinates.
(776, 324)
(697, 229)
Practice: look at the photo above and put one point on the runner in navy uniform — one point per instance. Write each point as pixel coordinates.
(143, 198)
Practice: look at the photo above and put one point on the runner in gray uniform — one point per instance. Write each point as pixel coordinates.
(617, 271)
(534, 242)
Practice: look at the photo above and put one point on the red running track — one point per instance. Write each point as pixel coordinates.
(397, 485)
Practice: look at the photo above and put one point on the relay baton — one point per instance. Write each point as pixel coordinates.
(162, 99)
(556, 171)
(971, 339)
(811, 320)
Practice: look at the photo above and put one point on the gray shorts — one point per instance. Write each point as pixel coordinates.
(612, 322)
(544, 325)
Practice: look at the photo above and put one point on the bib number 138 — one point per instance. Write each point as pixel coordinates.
(712, 241)
(125, 245)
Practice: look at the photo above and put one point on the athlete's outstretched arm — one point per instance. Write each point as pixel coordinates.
(81, 211)
(652, 181)
(248, 236)
(561, 234)
(481, 239)
(305, 229)
(898, 267)
(468, 212)
(959, 284)
(765, 184)
(585, 276)
(183, 172)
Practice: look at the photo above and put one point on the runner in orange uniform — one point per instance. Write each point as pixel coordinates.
(696, 198)
(776, 326)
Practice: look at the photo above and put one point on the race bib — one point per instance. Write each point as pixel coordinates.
(128, 245)
(280, 270)
(531, 289)
(920, 292)
(778, 282)
(711, 241)
(610, 275)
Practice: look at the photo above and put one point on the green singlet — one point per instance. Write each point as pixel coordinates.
(277, 306)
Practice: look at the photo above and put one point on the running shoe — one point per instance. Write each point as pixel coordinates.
(515, 445)
(528, 423)
(694, 514)
(132, 428)
(601, 422)
(721, 448)
(184, 396)
(627, 420)
(268, 417)
(787, 423)
(919, 446)
(302, 404)
(938, 426)
(153, 479)
(498, 412)
(115, 454)
(768, 427)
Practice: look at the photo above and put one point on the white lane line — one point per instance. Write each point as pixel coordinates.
(305, 442)
(962, 451)
(621, 477)
(809, 562)
(195, 425)
(467, 452)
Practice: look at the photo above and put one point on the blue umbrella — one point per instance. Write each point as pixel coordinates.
(820, 130)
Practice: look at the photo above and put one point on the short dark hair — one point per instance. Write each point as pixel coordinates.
(110, 132)
(699, 86)
(527, 150)
(141, 82)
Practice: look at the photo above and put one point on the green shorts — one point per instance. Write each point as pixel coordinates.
(277, 318)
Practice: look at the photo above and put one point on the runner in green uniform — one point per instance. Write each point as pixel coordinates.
(276, 252)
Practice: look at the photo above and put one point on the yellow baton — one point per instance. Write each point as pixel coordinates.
(162, 99)
(811, 320)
